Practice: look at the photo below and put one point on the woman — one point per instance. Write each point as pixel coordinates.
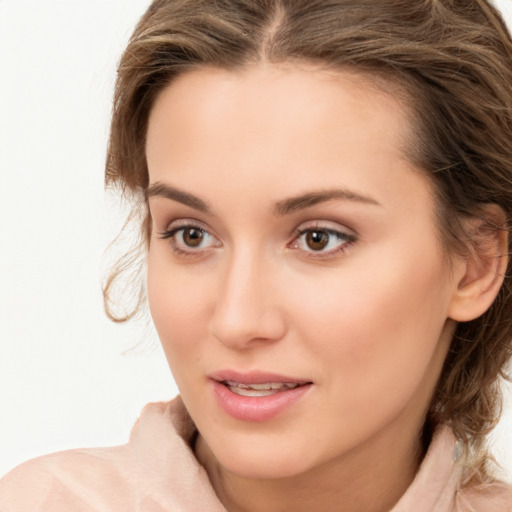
(325, 197)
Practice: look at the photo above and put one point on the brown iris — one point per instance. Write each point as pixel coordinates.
(317, 240)
(193, 237)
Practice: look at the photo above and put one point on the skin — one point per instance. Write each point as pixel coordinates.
(368, 320)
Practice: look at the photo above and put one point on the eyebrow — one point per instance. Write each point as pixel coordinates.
(175, 194)
(282, 208)
(304, 201)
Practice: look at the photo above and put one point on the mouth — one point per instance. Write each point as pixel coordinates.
(258, 390)
(257, 396)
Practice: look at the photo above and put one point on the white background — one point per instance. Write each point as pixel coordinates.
(68, 377)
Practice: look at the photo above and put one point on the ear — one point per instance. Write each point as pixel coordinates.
(480, 274)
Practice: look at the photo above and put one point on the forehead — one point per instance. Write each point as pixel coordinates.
(285, 99)
(293, 127)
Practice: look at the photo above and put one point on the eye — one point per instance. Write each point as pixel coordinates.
(322, 240)
(192, 237)
(189, 238)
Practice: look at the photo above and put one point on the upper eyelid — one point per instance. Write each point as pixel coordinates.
(327, 225)
(186, 222)
(340, 235)
(172, 228)
(344, 234)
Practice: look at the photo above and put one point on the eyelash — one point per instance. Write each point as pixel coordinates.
(171, 232)
(347, 240)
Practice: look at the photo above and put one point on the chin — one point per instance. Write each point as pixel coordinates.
(263, 459)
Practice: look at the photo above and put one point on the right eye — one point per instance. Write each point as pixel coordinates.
(189, 239)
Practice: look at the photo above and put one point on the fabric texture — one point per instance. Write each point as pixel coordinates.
(158, 472)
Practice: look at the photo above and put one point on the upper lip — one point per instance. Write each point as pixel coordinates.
(254, 377)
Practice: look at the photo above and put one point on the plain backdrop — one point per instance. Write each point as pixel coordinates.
(68, 377)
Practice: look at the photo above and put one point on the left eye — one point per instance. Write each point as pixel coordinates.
(321, 240)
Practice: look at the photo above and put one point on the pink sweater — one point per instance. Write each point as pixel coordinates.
(157, 472)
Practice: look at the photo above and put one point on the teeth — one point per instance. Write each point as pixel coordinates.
(265, 389)
(252, 392)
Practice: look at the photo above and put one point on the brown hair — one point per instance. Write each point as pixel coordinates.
(454, 60)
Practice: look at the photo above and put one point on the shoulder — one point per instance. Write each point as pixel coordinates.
(155, 472)
(82, 480)
(78, 480)
(488, 497)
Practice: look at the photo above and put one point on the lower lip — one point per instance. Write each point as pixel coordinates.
(256, 408)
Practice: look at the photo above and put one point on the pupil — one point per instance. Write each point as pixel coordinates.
(317, 240)
(193, 237)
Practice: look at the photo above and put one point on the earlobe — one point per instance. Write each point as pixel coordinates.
(481, 272)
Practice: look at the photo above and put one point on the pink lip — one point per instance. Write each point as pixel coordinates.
(255, 409)
(253, 377)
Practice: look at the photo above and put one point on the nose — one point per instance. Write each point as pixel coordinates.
(247, 310)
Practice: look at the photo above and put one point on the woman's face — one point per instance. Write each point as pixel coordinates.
(295, 275)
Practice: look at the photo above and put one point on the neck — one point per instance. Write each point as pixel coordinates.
(369, 479)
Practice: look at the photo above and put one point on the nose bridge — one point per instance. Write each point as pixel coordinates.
(246, 309)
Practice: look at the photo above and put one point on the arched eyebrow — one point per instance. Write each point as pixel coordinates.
(175, 194)
(281, 208)
(309, 199)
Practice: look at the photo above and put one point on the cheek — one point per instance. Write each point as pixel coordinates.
(377, 339)
(381, 315)
(178, 303)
